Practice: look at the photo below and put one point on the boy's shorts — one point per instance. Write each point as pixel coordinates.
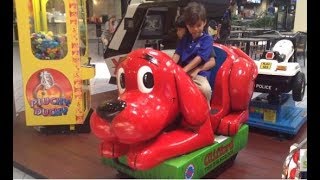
(204, 86)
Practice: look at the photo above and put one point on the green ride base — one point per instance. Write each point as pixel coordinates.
(189, 166)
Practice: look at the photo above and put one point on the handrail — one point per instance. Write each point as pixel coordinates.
(282, 35)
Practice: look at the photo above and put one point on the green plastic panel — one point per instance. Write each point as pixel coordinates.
(193, 165)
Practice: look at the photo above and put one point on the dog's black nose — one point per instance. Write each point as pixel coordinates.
(109, 109)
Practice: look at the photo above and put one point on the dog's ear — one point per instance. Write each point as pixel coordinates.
(192, 103)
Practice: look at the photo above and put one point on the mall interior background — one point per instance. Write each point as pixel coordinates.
(287, 13)
(291, 15)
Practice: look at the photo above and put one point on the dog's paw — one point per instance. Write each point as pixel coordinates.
(228, 128)
(113, 149)
(231, 123)
(141, 157)
(142, 161)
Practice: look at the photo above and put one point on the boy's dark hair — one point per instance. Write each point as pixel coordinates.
(105, 18)
(194, 12)
(213, 24)
(180, 22)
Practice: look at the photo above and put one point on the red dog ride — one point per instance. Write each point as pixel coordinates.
(161, 114)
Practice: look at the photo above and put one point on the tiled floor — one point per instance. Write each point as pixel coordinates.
(98, 84)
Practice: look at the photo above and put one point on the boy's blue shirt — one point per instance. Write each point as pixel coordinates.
(188, 49)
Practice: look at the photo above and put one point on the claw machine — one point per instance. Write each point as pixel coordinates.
(55, 64)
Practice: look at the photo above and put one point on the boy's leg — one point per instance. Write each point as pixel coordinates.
(204, 86)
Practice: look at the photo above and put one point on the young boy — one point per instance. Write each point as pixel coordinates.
(195, 48)
(109, 28)
(213, 29)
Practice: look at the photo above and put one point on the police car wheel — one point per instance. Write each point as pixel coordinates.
(298, 87)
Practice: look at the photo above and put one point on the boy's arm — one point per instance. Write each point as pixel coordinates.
(177, 54)
(209, 64)
(203, 52)
(206, 66)
(192, 64)
(176, 57)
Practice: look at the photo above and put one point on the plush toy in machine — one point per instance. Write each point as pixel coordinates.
(47, 46)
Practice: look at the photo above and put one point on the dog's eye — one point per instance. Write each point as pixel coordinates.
(148, 80)
(145, 79)
(121, 83)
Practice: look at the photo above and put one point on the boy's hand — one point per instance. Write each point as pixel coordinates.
(193, 73)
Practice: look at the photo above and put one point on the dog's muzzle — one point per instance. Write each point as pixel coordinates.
(109, 109)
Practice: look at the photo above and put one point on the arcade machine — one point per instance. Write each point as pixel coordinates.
(278, 74)
(55, 65)
(150, 24)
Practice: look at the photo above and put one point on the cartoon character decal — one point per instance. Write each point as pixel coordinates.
(49, 93)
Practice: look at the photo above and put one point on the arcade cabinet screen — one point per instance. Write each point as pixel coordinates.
(153, 26)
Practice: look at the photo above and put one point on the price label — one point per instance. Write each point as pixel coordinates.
(270, 115)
